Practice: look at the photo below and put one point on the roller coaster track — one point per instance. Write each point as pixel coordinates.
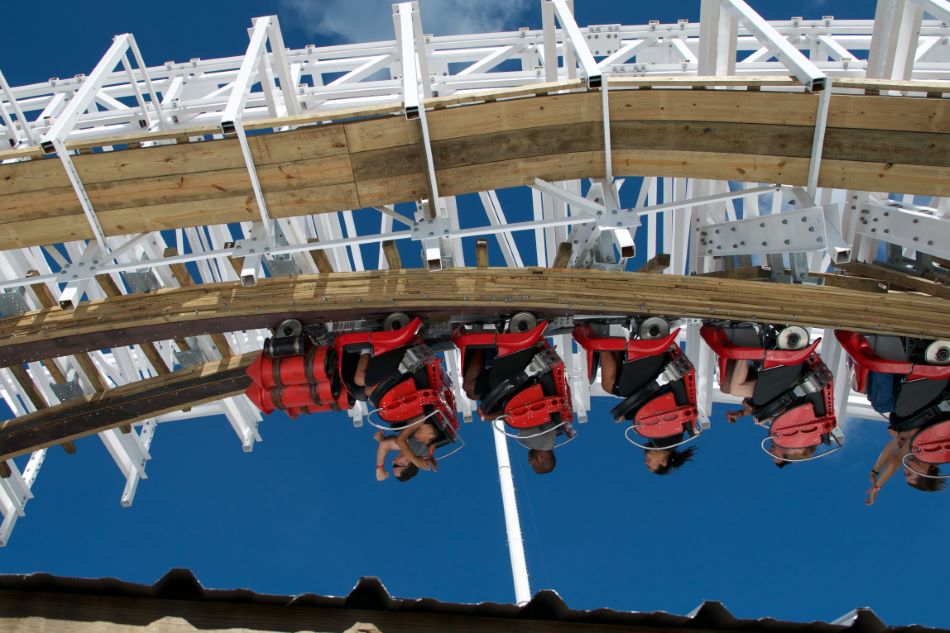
(154, 229)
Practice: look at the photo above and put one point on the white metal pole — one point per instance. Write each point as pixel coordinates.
(519, 566)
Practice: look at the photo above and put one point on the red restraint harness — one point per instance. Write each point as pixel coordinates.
(521, 396)
(795, 422)
(398, 397)
(931, 444)
(654, 417)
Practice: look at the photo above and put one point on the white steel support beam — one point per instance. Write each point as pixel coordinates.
(405, 38)
(86, 94)
(608, 153)
(519, 565)
(550, 41)
(894, 40)
(818, 140)
(59, 147)
(241, 87)
(21, 120)
(15, 492)
(578, 43)
(912, 229)
(421, 51)
(800, 66)
(288, 87)
(718, 30)
(939, 9)
(149, 86)
(232, 117)
(497, 220)
(811, 229)
(130, 452)
(238, 128)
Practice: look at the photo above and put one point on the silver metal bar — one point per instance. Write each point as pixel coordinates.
(579, 44)
(550, 42)
(139, 98)
(74, 179)
(608, 153)
(519, 565)
(818, 140)
(407, 56)
(252, 174)
(288, 87)
(233, 111)
(939, 9)
(149, 87)
(27, 130)
(86, 94)
(800, 66)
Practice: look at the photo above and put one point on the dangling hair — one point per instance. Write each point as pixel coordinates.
(678, 457)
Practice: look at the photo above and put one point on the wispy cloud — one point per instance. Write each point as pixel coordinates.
(371, 20)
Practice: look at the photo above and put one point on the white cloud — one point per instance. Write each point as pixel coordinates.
(371, 20)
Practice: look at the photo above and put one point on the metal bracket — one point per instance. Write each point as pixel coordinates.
(193, 356)
(68, 390)
(915, 228)
(805, 230)
(130, 452)
(13, 302)
(578, 42)
(143, 281)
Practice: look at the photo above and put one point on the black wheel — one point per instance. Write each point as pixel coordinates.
(522, 322)
(396, 321)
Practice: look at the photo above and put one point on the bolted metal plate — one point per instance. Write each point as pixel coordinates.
(603, 39)
(187, 358)
(68, 390)
(282, 267)
(142, 281)
(911, 229)
(777, 233)
(13, 302)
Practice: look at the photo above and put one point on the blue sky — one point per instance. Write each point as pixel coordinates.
(303, 513)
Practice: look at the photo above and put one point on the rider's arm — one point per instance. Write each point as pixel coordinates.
(886, 465)
(887, 462)
(382, 449)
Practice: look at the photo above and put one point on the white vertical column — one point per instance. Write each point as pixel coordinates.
(519, 566)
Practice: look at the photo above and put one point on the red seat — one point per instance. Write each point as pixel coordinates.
(659, 416)
(528, 407)
(800, 424)
(866, 361)
(380, 342)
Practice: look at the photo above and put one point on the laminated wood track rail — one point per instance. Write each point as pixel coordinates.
(209, 308)
(872, 143)
(225, 307)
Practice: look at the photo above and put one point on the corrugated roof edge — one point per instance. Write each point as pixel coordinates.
(371, 595)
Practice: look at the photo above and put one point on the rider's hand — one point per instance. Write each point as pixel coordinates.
(381, 474)
(378, 436)
(434, 464)
(872, 495)
(420, 463)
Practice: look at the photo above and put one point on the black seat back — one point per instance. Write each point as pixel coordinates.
(774, 381)
(635, 374)
(918, 394)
